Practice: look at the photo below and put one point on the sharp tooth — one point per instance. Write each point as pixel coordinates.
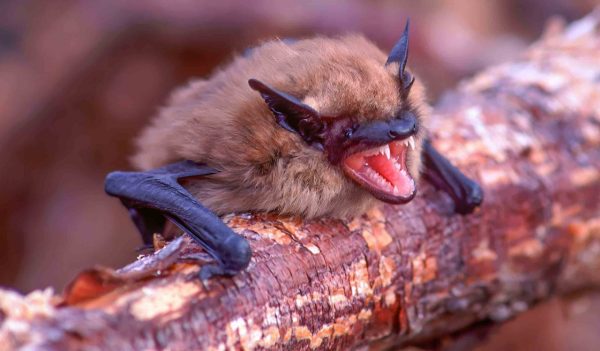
(386, 151)
(411, 141)
(405, 142)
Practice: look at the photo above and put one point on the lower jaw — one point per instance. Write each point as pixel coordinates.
(396, 200)
(401, 187)
(387, 196)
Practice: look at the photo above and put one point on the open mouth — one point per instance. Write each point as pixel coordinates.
(382, 171)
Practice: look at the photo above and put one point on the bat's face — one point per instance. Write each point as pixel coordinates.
(375, 156)
(378, 150)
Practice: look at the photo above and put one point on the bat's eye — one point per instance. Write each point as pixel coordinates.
(348, 133)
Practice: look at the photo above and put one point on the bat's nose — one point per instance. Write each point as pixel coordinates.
(400, 128)
(381, 132)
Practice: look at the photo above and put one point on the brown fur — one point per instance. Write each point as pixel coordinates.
(224, 123)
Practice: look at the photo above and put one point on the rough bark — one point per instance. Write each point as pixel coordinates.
(528, 130)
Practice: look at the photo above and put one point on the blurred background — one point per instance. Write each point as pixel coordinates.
(79, 79)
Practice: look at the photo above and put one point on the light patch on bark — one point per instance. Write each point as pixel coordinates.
(387, 266)
(246, 332)
(584, 176)
(302, 333)
(325, 332)
(272, 316)
(528, 248)
(474, 117)
(294, 228)
(375, 234)
(270, 337)
(546, 169)
(564, 214)
(301, 300)
(498, 176)
(341, 327)
(365, 314)
(390, 297)
(359, 279)
(39, 303)
(314, 249)
(591, 132)
(424, 268)
(483, 253)
(498, 139)
(337, 299)
(220, 347)
(157, 301)
(581, 231)
(269, 232)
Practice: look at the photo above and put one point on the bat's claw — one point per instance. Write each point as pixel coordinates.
(210, 270)
(472, 199)
(466, 193)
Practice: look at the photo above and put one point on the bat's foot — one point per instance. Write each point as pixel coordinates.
(466, 193)
(154, 196)
(472, 199)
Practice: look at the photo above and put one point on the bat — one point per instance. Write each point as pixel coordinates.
(311, 128)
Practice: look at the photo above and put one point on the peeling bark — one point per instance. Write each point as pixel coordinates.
(528, 130)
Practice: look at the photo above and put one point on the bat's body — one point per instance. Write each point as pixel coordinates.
(263, 167)
(317, 127)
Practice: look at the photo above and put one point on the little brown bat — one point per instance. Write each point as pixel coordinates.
(310, 128)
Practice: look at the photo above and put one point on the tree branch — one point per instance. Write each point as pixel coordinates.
(527, 130)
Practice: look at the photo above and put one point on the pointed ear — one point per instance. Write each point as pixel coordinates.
(399, 54)
(290, 112)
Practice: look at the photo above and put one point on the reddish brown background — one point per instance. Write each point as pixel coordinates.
(78, 79)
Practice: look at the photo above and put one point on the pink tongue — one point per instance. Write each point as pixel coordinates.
(386, 168)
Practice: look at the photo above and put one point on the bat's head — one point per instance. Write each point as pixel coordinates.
(364, 113)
